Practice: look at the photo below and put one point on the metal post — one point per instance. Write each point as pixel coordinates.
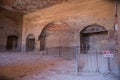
(59, 51)
(97, 69)
(77, 64)
(109, 68)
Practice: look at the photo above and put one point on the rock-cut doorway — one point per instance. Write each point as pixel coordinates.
(93, 41)
(12, 42)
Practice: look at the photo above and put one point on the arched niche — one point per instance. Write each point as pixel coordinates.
(93, 41)
(30, 42)
(51, 34)
(12, 42)
(93, 37)
(94, 44)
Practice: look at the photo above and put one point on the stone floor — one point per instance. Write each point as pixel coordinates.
(20, 66)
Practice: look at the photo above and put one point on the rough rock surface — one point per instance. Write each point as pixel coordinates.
(28, 5)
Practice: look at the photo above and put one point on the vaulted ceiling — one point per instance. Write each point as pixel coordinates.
(26, 6)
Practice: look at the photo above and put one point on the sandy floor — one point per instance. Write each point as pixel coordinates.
(19, 66)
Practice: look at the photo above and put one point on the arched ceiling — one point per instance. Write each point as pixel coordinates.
(26, 6)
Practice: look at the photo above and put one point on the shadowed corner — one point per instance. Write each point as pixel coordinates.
(5, 78)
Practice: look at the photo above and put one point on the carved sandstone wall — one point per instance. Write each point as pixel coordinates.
(10, 24)
(76, 14)
(119, 32)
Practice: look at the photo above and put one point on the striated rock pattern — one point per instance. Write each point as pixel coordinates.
(28, 5)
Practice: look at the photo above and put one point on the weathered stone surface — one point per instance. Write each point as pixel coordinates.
(60, 24)
(10, 24)
(28, 5)
(77, 15)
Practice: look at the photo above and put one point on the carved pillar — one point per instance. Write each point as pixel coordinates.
(37, 46)
(23, 47)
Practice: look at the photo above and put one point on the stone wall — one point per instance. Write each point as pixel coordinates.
(76, 14)
(10, 24)
(62, 40)
(119, 35)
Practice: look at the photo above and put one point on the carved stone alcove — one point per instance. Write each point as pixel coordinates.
(93, 37)
(93, 29)
(30, 42)
(93, 41)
